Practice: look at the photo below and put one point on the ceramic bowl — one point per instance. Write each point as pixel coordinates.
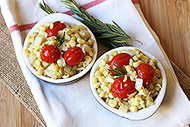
(142, 113)
(68, 20)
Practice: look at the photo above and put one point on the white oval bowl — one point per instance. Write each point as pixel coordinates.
(68, 20)
(142, 113)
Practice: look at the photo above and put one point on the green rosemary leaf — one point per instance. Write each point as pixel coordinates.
(125, 71)
(45, 7)
(71, 68)
(116, 75)
(113, 28)
(119, 28)
(118, 71)
(52, 50)
(118, 66)
(115, 71)
(106, 35)
(60, 39)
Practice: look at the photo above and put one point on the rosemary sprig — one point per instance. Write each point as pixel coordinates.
(111, 35)
(45, 7)
(118, 71)
(60, 39)
(106, 33)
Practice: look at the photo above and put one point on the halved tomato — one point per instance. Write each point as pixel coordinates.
(50, 54)
(121, 59)
(145, 72)
(122, 89)
(57, 27)
(73, 56)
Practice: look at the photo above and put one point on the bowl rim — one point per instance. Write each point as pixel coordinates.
(143, 113)
(69, 20)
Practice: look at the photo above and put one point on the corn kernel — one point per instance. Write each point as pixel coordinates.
(112, 103)
(133, 108)
(40, 71)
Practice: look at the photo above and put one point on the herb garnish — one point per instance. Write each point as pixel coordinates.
(71, 68)
(118, 71)
(111, 35)
(60, 39)
(45, 7)
(52, 50)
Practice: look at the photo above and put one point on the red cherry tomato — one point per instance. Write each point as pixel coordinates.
(50, 54)
(122, 89)
(73, 56)
(145, 72)
(121, 59)
(57, 27)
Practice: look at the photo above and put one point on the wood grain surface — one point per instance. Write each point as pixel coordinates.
(13, 113)
(170, 19)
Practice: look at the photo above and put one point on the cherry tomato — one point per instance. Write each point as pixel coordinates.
(122, 89)
(121, 59)
(57, 27)
(73, 56)
(50, 54)
(145, 72)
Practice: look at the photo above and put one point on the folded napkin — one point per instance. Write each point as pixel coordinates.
(74, 105)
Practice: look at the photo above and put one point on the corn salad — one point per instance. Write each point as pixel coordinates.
(74, 36)
(143, 97)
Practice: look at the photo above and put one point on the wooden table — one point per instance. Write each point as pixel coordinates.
(170, 19)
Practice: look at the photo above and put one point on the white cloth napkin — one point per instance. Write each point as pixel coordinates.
(74, 105)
